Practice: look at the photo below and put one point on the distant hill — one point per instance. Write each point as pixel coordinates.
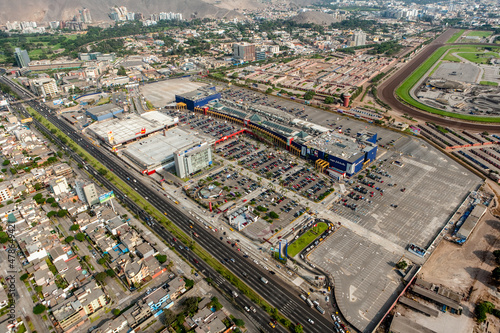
(54, 10)
(314, 17)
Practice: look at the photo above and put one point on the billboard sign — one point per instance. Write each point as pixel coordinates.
(106, 196)
(57, 101)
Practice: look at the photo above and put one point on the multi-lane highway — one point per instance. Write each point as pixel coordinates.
(279, 295)
(386, 91)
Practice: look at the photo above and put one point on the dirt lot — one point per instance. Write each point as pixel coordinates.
(462, 267)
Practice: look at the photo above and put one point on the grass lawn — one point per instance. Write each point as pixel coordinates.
(455, 36)
(478, 58)
(450, 57)
(306, 239)
(403, 91)
(102, 101)
(488, 83)
(481, 34)
(21, 328)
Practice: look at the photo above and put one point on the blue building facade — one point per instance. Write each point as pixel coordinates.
(363, 152)
(103, 112)
(198, 98)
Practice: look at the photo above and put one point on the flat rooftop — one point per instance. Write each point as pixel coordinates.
(129, 126)
(104, 109)
(333, 143)
(366, 285)
(199, 93)
(401, 324)
(418, 306)
(157, 148)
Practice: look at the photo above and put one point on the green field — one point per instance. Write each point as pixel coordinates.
(488, 83)
(481, 34)
(479, 58)
(306, 239)
(451, 57)
(455, 36)
(403, 91)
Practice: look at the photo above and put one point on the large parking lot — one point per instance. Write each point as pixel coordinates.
(268, 163)
(221, 187)
(409, 196)
(309, 184)
(270, 201)
(245, 97)
(365, 282)
(235, 149)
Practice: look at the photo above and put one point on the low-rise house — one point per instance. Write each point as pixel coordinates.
(144, 250)
(135, 272)
(43, 276)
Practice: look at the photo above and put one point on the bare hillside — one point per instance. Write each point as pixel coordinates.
(50, 10)
(314, 17)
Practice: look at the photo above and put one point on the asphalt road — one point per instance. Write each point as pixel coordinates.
(386, 91)
(278, 295)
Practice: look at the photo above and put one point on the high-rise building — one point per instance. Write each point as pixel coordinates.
(44, 87)
(91, 194)
(85, 15)
(244, 51)
(22, 57)
(359, 38)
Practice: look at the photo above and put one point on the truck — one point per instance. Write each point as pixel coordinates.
(309, 302)
(320, 309)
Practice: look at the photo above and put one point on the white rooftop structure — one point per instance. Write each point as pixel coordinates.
(158, 149)
(131, 126)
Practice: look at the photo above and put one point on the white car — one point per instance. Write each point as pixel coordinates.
(311, 321)
(247, 309)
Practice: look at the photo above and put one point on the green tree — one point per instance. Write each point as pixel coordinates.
(274, 215)
(215, 303)
(238, 322)
(62, 213)
(74, 227)
(101, 261)
(190, 305)
(309, 95)
(80, 236)
(329, 100)
(402, 264)
(122, 71)
(39, 309)
(51, 213)
(100, 277)
(6, 162)
(495, 274)
(269, 90)
(161, 258)
(50, 200)
(189, 283)
(482, 309)
(110, 273)
(69, 239)
(24, 277)
(298, 328)
(38, 186)
(496, 253)
(116, 312)
(4, 238)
